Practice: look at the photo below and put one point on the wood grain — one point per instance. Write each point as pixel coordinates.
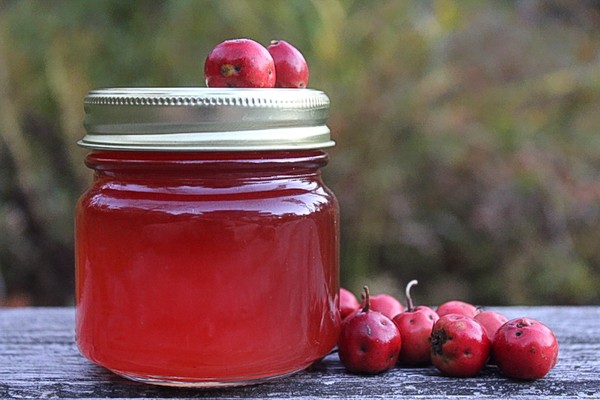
(39, 359)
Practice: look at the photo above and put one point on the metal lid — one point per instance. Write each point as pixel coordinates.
(206, 119)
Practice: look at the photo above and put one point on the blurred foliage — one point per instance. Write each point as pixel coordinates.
(468, 150)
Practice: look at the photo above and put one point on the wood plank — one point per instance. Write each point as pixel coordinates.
(39, 359)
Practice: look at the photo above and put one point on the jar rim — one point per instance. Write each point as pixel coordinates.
(206, 119)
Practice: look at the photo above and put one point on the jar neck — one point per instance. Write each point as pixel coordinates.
(207, 164)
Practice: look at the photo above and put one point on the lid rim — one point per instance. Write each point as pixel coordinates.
(192, 148)
(205, 119)
(208, 97)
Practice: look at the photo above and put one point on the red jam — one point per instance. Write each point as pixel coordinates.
(207, 268)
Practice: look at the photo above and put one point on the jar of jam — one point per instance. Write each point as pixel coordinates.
(207, 247)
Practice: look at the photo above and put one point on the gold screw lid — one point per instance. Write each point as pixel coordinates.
(206, 119)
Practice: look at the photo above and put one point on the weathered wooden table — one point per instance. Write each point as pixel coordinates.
(39, 359)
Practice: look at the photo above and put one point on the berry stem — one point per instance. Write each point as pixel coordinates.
(366, 299)
(409, 303)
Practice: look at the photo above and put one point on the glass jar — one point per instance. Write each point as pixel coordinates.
(207, 247)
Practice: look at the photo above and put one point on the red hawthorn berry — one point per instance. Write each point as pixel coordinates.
(240, 63)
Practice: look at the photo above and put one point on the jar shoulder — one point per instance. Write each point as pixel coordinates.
(296, 195)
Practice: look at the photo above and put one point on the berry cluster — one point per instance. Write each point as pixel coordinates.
(245, 63)
(458, 338)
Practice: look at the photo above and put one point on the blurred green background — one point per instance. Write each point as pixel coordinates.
(468, 152)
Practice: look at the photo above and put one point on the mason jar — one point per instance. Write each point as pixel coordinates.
(207, 247)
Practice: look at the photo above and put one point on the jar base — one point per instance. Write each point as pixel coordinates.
(174, 381)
